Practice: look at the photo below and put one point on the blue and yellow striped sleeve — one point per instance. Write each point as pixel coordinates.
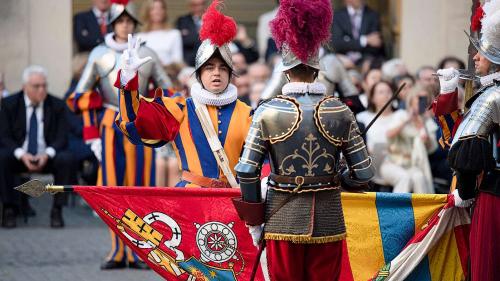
(448, 115)
(152, 122)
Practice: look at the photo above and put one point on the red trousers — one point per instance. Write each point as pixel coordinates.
(288, 261)
(484, 235)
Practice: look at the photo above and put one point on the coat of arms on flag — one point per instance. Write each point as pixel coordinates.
(182, 235)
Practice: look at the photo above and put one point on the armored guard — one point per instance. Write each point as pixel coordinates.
(473, 139)
(122, 163)
(303, 132)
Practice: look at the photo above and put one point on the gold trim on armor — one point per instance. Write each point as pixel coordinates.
(304, 239)
(275, 131)
(356, 150)
(337, 141)
(311, 152)
(306, 190)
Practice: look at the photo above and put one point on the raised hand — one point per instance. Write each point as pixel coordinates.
(130, 60)
(448, 79)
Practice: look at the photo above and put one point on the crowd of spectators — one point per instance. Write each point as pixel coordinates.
(402, 142)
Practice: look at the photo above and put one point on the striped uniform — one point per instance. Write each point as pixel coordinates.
(159, 120)
(123, 163)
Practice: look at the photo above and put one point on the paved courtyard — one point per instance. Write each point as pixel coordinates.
(34, 251)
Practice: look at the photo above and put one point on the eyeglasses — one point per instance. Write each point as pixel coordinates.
(38, 86)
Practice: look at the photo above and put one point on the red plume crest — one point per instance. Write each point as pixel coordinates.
(475, 24)
(303, 25)
(217, 27)
(121, 2)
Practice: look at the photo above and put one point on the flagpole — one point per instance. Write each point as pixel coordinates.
(36, 188)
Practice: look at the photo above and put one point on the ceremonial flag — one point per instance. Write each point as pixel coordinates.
(404, 236)
(195, 233)
(182, 233)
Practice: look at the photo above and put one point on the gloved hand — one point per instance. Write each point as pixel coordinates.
(130, 61)
(459, 202)
(255, 231)
(96, 147)
(448, 80)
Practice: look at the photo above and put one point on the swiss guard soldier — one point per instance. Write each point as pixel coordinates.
(474, 139)
(208, 129)
(303, 132)
(122, 163)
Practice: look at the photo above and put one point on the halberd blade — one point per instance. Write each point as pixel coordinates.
(34, 188)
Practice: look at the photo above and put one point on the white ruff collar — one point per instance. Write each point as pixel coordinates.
(303, 88)
(208, 98)
(111, 42)
(488, 79)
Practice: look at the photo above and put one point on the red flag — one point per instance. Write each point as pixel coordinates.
(182, 233)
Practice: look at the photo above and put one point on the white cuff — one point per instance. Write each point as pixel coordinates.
(51, 152)
(126, 76)
(19, 152)
(363, 41)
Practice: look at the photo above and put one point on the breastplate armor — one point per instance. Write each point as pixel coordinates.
(103, 66)
(483, 120)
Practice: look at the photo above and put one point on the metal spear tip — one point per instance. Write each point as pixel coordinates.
(34, 188)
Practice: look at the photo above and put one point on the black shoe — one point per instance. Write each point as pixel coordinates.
(56, 219)
(113, 265)
(9, 218)
(138, 265)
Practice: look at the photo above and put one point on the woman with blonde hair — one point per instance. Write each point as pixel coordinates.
(158, 34)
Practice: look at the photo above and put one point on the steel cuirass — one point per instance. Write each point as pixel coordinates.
(103, 66)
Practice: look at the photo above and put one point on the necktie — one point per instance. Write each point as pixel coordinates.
(33, 134)
(103, 25)
(355, 24)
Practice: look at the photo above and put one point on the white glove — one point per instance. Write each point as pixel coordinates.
(96, 147)
(459, 202)
(448, 79)
(263, 188)
(130, 61)
(255, 231)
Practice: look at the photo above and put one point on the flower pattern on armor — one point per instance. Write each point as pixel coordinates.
(310, 153)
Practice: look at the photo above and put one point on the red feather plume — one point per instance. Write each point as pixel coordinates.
(216, 26)
(303, 25)
(121, 2)
(475, 24)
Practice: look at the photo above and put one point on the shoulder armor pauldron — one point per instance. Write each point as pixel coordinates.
(279, 118)
(331, 116)
(105, 59)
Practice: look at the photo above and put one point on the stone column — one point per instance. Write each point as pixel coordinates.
(36, 32)
(433, 29)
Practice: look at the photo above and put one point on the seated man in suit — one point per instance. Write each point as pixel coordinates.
(89, 27)
(33, 134)
(356, 31)
(189, 25)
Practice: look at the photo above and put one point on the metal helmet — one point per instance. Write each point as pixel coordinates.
(216, 32)
(290, 60)
(489, 44)
(118, 9)
(207, 49)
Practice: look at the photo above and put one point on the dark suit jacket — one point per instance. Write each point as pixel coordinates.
(13, 122)
(342, 38)
(190, 38)
(86, 31)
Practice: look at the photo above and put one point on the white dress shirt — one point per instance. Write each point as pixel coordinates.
(100, 15)
(166, 43)
(42, 146)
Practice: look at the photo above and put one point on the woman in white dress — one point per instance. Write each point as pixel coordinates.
(376, 139)
(411, 137)
(158, 34)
